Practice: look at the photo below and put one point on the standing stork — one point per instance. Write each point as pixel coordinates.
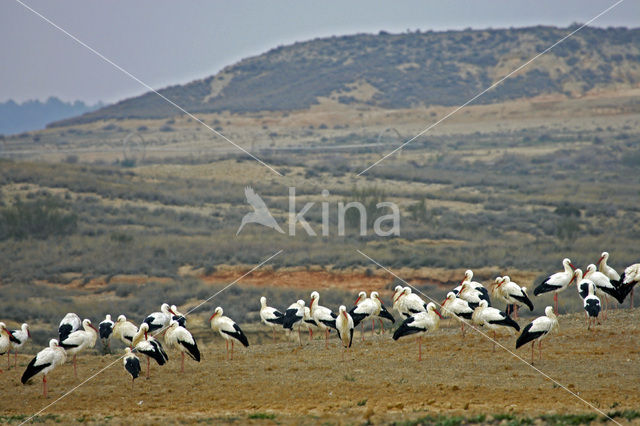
(322, 316)
(383, 312)
(124, 330)
(494, 320)
(604, 286)
(45, 361)
(410, 303)
(20, 337)
(159, 320)
(6, 338)
(537, 330)
(149, 346)
(270, 316)
(180, 338)
(395, 299)
(344, 327)
(70, 323)
(419, 324)
(105, 328)
(364, 308)
(457, 307)
(178, 316)
(557, 282)
(468, 279)
(79, 340)
(513, 294)
(228, 329)
(131, 364)
(630, 277)
(293, 316)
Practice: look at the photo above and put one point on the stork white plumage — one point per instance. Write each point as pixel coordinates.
(603, 267)
(20, 337)
(344, 327)
(475, 285)
(322, 316)
(494, 320)
(178, 316)
(5, 339)
(419, 324)
(457, 307)
(80, 340)
(149, 346)
(557, 282)
(105, 328)
(131, 364)
(513, 294)
(364, 308)
(159, 320)
(630, 277)
(382, 310)
(537, 330)
(410, 303)
(604, 286)
(472, 296)
(180, 338)
(228, 329)
(293, 316)
(395, 299)
(70, 323)
(124, 330)
(45, 361)
(270, 316)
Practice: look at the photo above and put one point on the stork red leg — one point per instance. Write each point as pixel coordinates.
(44, 385)
(228, 349)
(9, 359)
(362, 330)
(533, 344)
(310, 334)
(232, 349)
(540, 348)
(555, 300)
(381, 325)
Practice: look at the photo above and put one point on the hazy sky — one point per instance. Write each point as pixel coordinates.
(166, 42)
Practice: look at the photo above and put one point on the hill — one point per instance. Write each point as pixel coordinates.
(34, 114)
(403, 71)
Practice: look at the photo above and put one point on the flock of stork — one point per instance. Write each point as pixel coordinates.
(469, 302)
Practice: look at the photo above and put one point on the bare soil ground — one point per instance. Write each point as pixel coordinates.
(381, 381)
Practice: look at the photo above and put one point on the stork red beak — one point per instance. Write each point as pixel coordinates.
(443, 302)
(437, 313)
(573, 278)
(571, 264)
(600, 260)
(28, 333)
(345, 315)
(214, 314)
(357, 300)
(145, 335)
(93, 328)
(171, 310)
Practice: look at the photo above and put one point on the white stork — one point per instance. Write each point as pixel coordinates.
(344, 327)
(20, 337)
(513, 294)
(270, 316)
(475, 285)
(179, 337)
(45, 361)
(228, 329)
(293, 316)
(472, 296)
(364, 308)
(105, 328)
(410, 303)
(178, 316)
(124, 330)
(630, 277)
(395, 299)
(383, 312)
(79, 340)
(322, 316)
(131, 364)
(557, 282)
(537, 330)
(70, 323)
(494, 320)
(457, 307)
(149, 346)
(159, 320)
(6, 338)
(604, 286)
(419, 324)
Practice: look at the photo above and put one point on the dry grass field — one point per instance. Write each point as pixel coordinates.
(381, 381)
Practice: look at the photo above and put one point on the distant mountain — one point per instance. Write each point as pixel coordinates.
(404, 70)
(34, 115)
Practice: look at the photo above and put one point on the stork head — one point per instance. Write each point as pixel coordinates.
(604, 256)
(53, 343)
(343, 311)
(217, 312)
(468, 275)
(25, 327)
(122, 318)
(263, 301)
(314, 296)
(362, 295)
(566, 262)
(431, 307)
(577, 276)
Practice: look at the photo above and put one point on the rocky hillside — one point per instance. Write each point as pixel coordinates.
(403, 70)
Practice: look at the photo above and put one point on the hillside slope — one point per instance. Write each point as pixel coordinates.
(403, 70)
